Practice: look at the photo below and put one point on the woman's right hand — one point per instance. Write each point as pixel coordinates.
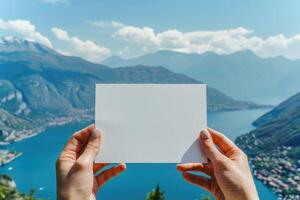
(228, 168)
(76, 169)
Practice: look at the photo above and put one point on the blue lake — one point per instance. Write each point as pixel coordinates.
(36, 167)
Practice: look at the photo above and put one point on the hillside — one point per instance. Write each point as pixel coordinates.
(9, 121)
(241, 75)
(283, 111)
(280, 126)
(37, 83)
(274, 147)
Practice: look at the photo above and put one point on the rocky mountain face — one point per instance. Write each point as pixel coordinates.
(241, 75)
(38, 84)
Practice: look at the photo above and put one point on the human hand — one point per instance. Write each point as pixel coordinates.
(76, 169)
(228, 168)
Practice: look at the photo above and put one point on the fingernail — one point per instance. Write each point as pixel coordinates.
(96, 133)
(204, 134)
(123, 165)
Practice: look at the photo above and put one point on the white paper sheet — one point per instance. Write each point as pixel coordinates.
(150, 123)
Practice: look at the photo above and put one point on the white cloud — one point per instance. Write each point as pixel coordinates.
(85, 48)
(56, 1)
(26, 29)
(104, 24)
(221, 41)
(145, 36)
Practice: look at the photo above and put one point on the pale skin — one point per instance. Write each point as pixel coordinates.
(229, 173)
(76, 169)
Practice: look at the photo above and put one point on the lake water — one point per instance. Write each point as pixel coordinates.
(35, 168)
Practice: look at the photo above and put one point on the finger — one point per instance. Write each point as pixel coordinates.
(110, 173)
(75, 144)
(208, 147)
(198, 167)
(92, 147)
(224, 143)
(98, 166)
(197, 180)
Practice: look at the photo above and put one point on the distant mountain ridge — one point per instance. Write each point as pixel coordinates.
(37, 83)
(242, 75)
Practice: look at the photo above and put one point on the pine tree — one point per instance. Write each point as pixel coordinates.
(156, 194)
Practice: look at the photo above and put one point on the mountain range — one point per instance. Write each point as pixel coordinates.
(241, 75)
(37, 83)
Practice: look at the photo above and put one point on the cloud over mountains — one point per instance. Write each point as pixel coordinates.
(26, 29)
(220, 41)
(86, 48)
(134, 40)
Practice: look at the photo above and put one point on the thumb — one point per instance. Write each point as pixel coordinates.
(208, 147)
(92, 147)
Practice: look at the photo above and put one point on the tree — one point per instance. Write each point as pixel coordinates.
(205, 198)
(8, 190)
(156, 194)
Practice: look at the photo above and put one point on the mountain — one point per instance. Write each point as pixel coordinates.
(280, 126)
(274, 148)
(169, 59)
(13, 44)
(37, 83)
(242, 75)
(8, 121)
(283, 111)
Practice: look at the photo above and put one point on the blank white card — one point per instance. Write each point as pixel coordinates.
(150, 123)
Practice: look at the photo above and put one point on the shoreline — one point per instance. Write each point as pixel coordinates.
(18, 136)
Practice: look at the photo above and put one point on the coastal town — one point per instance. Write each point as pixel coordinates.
(18, 135)
(278, 168)
(7, 137)
(279, 172)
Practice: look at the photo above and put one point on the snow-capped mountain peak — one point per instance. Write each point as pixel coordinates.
(13, 44)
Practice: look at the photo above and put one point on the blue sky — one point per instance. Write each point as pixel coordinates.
(97, 29)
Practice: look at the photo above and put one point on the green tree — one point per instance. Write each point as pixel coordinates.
(29, 196)
(7, 193)
(8, 190)
(156, 194)
(205, 198)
